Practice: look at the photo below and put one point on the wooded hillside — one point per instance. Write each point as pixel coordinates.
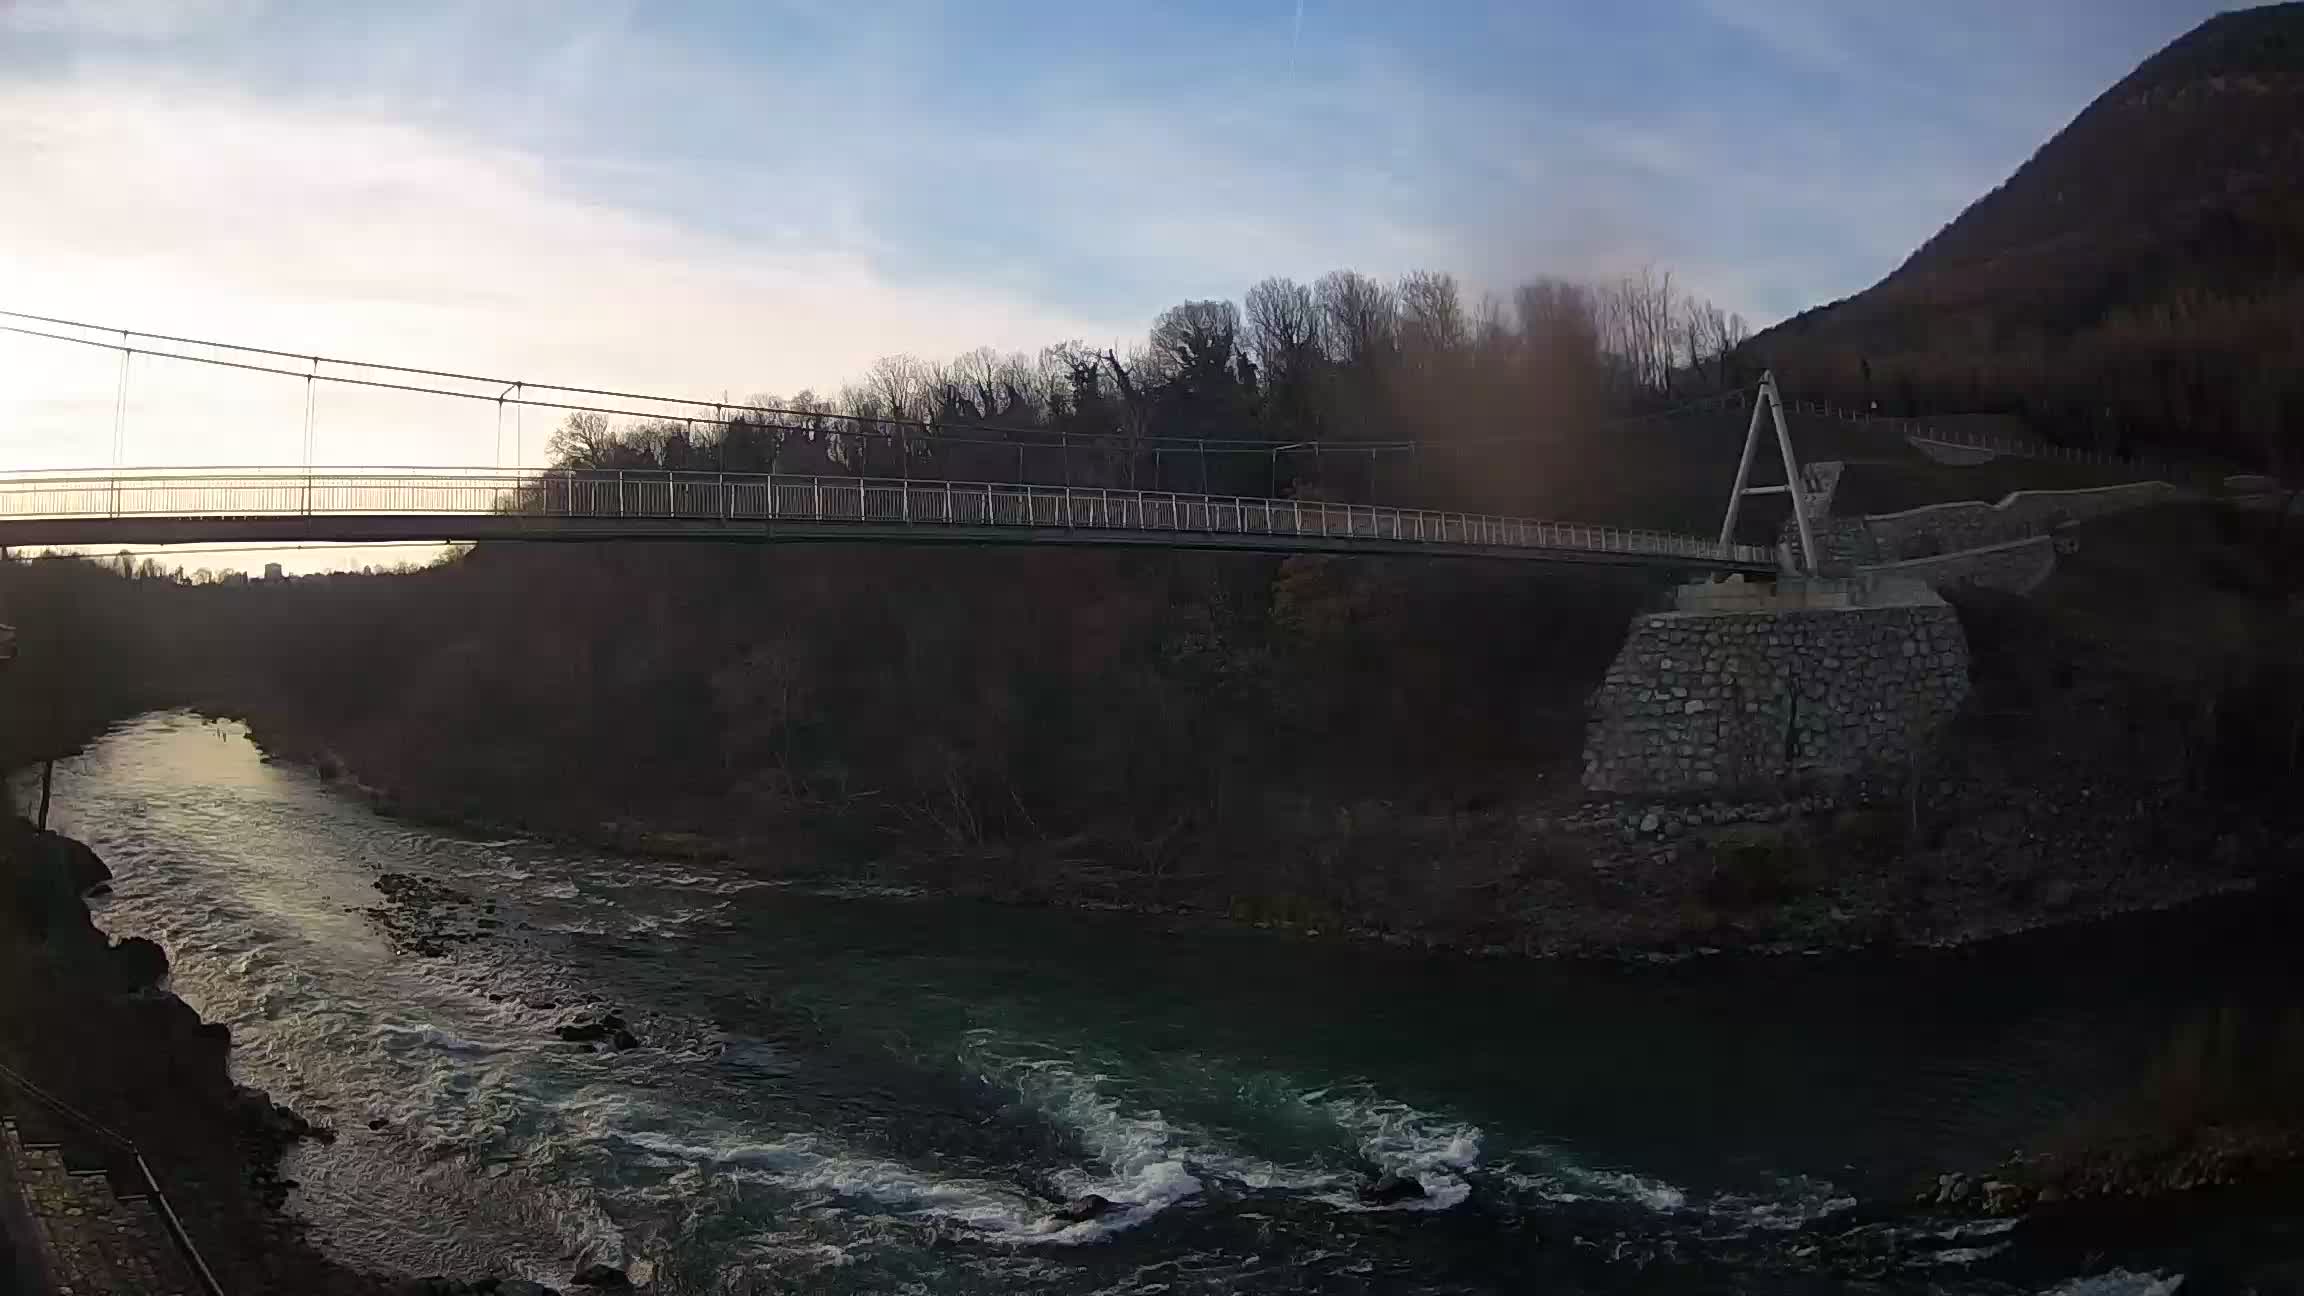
(2139, 282)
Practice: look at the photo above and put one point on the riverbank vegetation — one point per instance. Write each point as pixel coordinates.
(2219, 1107)
(93, 646)
(2222, 1103)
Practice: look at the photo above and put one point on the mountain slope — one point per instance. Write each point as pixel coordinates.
(2140, 279)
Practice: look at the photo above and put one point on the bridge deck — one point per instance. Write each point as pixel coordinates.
(372, 506)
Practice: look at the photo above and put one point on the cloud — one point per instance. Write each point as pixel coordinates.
(181, 211)
(1790, 29)
(770, 195)
(143, 20)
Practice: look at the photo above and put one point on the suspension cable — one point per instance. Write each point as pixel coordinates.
(311, 396)
(881, 428)
(120, 405)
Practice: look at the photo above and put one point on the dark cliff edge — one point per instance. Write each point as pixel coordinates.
(91, 1022)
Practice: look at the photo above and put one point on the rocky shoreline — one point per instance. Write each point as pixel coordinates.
(2218, 1157)
(92, 1021)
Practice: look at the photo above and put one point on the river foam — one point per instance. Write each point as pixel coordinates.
(2119, 1282)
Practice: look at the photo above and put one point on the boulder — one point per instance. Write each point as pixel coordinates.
(1081, 1209)
(602, 1278)
(81, 864)
(1389, 1188)
(1953, 1189)
(275, 1124)
(140, 962)
(608, 1026)
(2002, 1198)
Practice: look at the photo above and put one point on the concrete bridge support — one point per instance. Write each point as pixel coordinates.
(1752, 688)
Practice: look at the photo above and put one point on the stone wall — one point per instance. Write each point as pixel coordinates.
(2017, 567)
(1937, 529)
(1713, 703)
(1822, 479)
(1946, 452)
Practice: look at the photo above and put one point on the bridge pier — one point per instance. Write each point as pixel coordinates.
(1751, 688)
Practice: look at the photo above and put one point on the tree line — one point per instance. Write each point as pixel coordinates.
(1348, 387)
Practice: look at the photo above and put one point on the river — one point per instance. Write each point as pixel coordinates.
(884, 1092)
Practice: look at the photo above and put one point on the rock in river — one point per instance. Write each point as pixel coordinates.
(1389, 1188)
(610, 1027)
(1081, 1209)
(140, 962)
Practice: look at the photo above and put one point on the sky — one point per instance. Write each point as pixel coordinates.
(758, 196)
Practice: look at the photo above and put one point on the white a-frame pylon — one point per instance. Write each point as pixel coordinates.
(1765, 403)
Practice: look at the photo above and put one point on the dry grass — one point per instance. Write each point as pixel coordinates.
(2222, 1102)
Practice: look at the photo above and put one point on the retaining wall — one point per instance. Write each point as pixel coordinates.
(1937, 529)
(1946, 452)
(2016, 566)
(1704, 703)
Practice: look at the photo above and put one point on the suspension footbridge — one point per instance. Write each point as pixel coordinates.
(398, 505)
(124, 504)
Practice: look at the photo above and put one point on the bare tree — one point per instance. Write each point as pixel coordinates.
(901, 384)
(584, 440)
(1283, 329)
(861, 411)
(1135, 413)
(1432, 318)
(1636, 318)
(1360, 318)
(1559, 318)
(1195, 340)
(903, 388)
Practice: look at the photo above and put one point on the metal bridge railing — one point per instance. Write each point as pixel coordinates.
(170, 1222)
(739, 499)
